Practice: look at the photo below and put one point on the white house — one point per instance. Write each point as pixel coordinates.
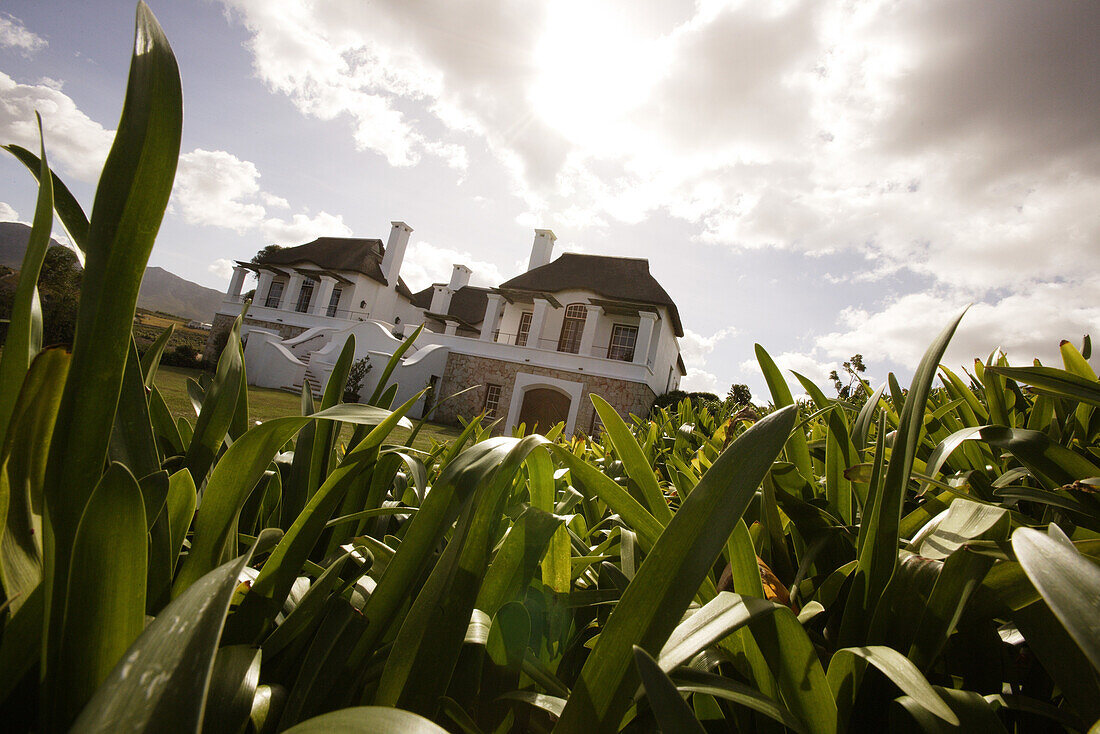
(533, 348)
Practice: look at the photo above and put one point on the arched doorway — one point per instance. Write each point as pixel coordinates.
(543, 406)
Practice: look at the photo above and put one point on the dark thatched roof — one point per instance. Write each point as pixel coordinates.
(340, 253)
(467, 303)
(618, 278)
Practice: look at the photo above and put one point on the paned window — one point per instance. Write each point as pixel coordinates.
(492, 400)
(571, 328)
(524, 329)
(274, 294)
(305, 295)
(333, 302)
(623, 338)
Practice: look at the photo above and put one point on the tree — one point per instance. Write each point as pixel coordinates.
(265, 253)
(739, 394)
(58, 292)
(853, 390)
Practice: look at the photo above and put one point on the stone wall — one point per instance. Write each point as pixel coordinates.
(222, 323)
(464, 370)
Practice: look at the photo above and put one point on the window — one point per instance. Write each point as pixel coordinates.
(492, 400)
(623, 338)
(524, 329)
(274, 294)
(571, 328)
(333, 302)
(305, 294)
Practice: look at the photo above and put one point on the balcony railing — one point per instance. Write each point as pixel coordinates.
(601, 351)
(333, 313)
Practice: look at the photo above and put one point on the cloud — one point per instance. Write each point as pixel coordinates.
(303, 228)
(8, 213)
(1024, 325)
(426, 263)
(694, 348)
(222, 268)
(13, 34)
(216, 188)
(75, 144)
(956, 142)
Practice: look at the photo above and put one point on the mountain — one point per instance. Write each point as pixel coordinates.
(160, 289)
(165, 291)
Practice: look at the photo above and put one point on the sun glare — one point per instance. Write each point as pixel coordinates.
(591, 72)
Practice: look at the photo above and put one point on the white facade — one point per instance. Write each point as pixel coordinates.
(572, 333)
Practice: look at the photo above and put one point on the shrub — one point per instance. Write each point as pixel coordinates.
(358, 372)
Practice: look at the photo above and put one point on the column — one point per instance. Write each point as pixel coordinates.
(451, 328)
(647, 320)
(538, 318)
(290, 294)
(263, 287)
(322, 295)
(588, 335)
(492, 316)
(236, 283)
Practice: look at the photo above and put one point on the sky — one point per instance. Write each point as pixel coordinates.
(822, 178)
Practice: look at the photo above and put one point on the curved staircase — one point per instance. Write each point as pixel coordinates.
(308, 378)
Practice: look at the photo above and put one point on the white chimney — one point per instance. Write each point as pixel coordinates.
(395, 251)
(441, 299)
(541, 249)
(460, 277)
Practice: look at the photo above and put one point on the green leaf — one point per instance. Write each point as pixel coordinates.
(1067, 581)
(798, 451)
(132, 439)
(64, 203)
(508, 636)
(515, 564)
(634, 461)
(596, 483)
(219, 406)
(1055, 382)
(106, 598)
(971, 712)
(281, 569)
(395, 359)
(161, 682)
(367, 720)
(129, 205)
(1061, 657)
(797, 671)
(24, 337)
(672, 573)
(878, 554)
(21, 645)
(422, 659)
(845, 672)
(307, 613)
(237, 473)
(150, 361)
(233, 683)
(22, 468)
(669, 708)
(555, 564)
(696, 681)
(713, 622)
(1051, 464)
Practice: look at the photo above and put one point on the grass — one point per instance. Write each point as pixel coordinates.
(265, 404)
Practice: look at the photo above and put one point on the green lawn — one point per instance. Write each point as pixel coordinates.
(265, 404)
